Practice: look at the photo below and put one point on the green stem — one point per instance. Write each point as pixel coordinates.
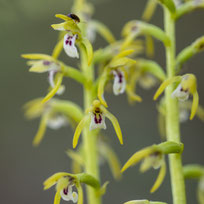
(89, 137)
(172, 117)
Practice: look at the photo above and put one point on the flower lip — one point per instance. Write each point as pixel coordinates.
(119, 83)
(69, 45)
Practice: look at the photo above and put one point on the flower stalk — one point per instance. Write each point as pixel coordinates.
(89, 137)
(172, 116)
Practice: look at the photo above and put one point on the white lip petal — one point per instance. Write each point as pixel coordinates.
(181, 95)
(69, 46)
(119, 83)
(97, 122)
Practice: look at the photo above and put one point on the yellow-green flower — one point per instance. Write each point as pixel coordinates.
(186, 85)
(118, 70)
(64, 184)
(72, 36)
(41, 63)
(54, 114)
(153, 156)
(95, 118)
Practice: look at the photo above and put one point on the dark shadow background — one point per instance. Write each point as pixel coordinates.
(25, 28)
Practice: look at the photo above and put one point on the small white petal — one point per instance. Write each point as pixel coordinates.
(61, 90)
(183, 115)
(69, 46)
(57, 122)
(74, 197)
(119, 83)
(51, 78)
(97, 123)
(181, 95)
(66, 194)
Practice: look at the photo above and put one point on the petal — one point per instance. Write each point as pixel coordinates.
(69, 46)
(63, 17)
(194, 105)
(132, 95)
(57, 49)
(80, 194)
(101, 86)
(37, 57)
(57, 198)
(59, 26)
(79, 129)
(160, 178)
(149, 10)
(166, 83)
(112, 159)
(74, 197)
(52, 180)
(89, 49)
(59, 78)
(57, 122)
(103, 31)
(41, 130)
(39, 66)
(120, 62)
(178, 93)
(138, 156)
(137, 202)
(119, 83)
(115, 123)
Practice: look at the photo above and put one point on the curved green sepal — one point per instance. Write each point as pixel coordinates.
(166, 83)
(152, 67)
(89, 49)
(59, 78)
(160, 178)
(187, 7)
(189, 52)
(103, 31)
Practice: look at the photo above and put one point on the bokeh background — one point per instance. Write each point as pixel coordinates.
(25, 28)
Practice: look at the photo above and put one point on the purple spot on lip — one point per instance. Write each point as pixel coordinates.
(99, 119)
(45, 62)
(120, 77)
(66, 42)
(65, 191)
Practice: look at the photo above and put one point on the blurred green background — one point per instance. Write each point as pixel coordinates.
(25, 28)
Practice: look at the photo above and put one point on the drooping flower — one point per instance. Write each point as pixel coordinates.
(187, 85)
(95, 117)
(153, 156)
(41, 63)
(54, 114)
(64, 187)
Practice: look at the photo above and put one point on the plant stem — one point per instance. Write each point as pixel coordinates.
(172, 116)
(89, 137)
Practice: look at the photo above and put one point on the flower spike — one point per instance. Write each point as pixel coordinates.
(96, 115)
